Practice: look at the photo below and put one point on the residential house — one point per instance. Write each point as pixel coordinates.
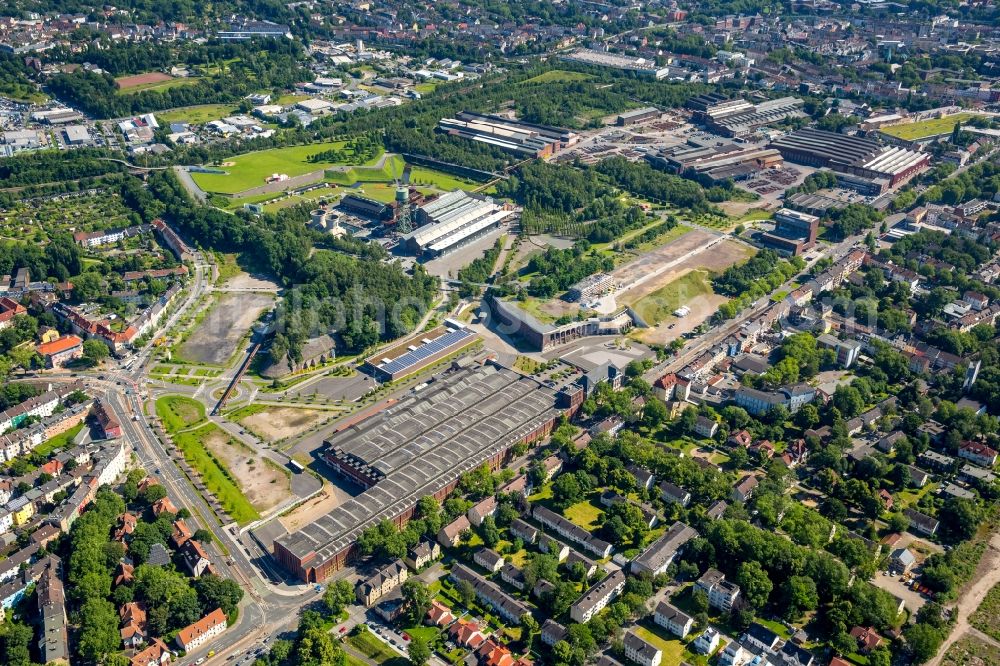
(706, 427)
(195, 558)
(450, 535)
(722, 594)
(921, 523)
(660, 554)
(867, 638)
(53, 643)
(553, 632)
(598, 597)
(481, 510)
(489, 559)
(674, 493)
(901, 560)
(381, 583)
(422, 554)
(439, 615)
(157, 654)
(641, 651)
(673, 619)
(978, 453)
(513, 576)
(707, 642)
(200, 633)
(744, 488)
(761, 637)
(524, 531)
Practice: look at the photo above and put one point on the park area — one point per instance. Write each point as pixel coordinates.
(198, 114)
(928, 128)
(243, 483)
(251, 170)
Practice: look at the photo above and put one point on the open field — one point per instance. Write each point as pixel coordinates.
(391, 169)
(250, 170)
(674, 652)
(558, 76)
(218, 479)
(926, 128)
(660, 304)
(274, 423)
(142, 80)
(196, 115)
(440, 180)
(60, 441)
(229, 318)
(262, 482)
(987, 617)
(971, 651)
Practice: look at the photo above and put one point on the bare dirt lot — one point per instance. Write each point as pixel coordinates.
(280, 422)
(326, 501)
(693, 255)
(250, 283)
(264, 484)
(216, 336)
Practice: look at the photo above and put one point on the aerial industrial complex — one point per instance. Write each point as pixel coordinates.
(859, 162)
(522, 138)
(419, 446)
(452, 220)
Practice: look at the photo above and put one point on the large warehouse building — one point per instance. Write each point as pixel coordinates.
(452, 220)
(716, 163)
(418, 447)
(794, 232)
(639, 66)
(512, 320)
(852, 155)
(738, 118)
(516, 136)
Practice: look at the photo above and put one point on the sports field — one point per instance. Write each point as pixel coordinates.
(926, 128)
(440, 180)
(251, 169)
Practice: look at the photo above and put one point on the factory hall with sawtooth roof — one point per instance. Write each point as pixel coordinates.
(416, 447)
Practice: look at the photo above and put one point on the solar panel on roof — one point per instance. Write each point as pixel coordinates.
(411, 358)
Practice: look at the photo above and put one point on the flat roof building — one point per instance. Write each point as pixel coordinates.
(516, 136)
(640, 66)
(453, 220)
(415, 447)
(414, 355)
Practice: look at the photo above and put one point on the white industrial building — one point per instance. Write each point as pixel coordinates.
(452, 220)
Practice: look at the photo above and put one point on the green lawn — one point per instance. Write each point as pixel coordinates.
(196, 115)
(59, 441)
(391, 170)
(926, 128)
(585, 514)
(543, 493)
(558, 76)
(251, 169)
(214, 474)
(674, 651)
(660, 304)
(178, 412)
(440, 180)
(373, 648)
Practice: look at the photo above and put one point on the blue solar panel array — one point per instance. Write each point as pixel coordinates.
(411, 358)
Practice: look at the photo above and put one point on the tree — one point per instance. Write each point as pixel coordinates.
(98, 629)
(566, 490)
(215, 592)
(95, 351)
(800, 595)
(418, 597)
(466, 592)
(338, 595)
(23, 357)
(959, 518)
(419, 650)
(201, 535)
(153, 494)
(923, 641)
(755, 586)
(15, 641)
